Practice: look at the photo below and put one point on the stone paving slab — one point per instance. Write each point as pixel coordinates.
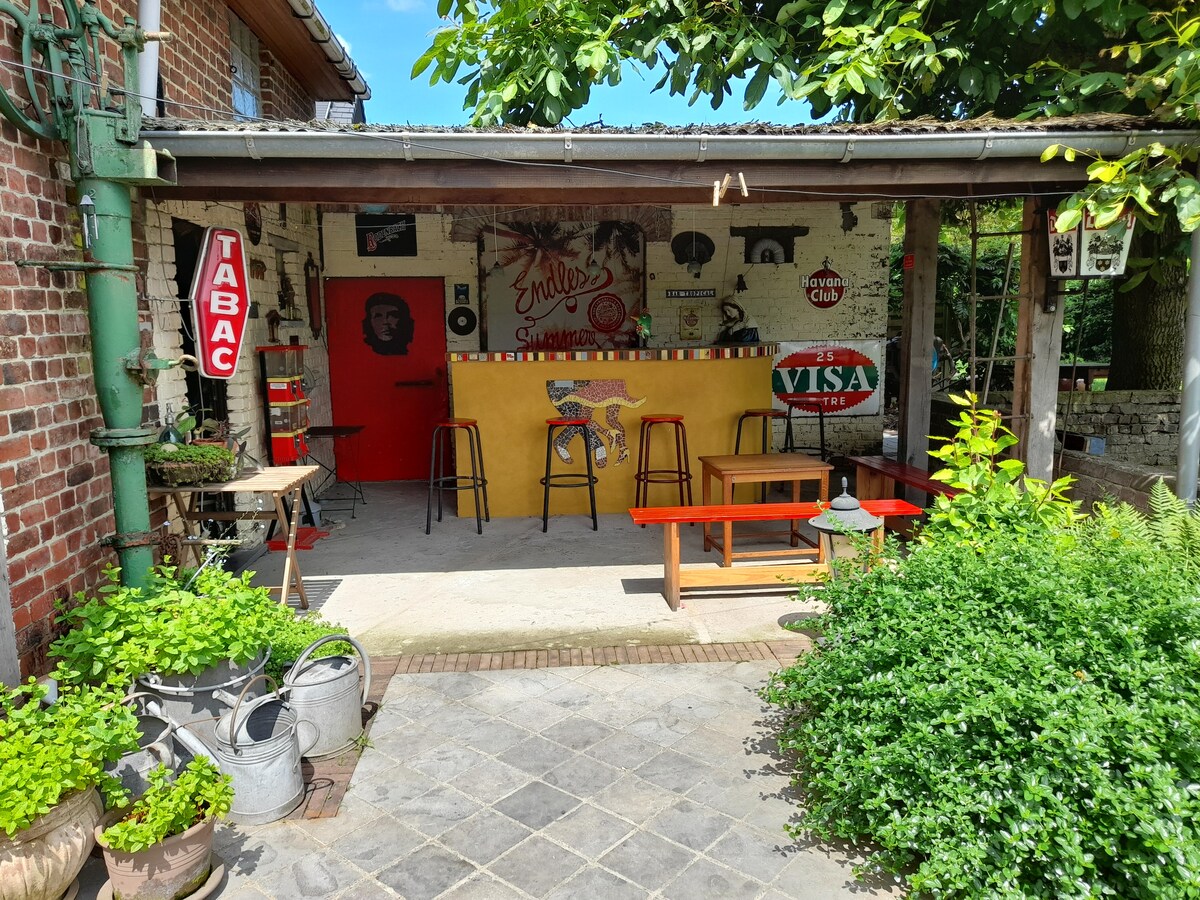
(639, 780)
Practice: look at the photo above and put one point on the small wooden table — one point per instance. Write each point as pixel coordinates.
(278, 482)
(759, 468)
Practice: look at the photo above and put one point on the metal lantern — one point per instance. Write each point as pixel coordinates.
(837, 526)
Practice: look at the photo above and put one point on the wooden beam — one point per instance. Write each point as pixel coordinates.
(362, 180)
(1039, 346)
(922, 224)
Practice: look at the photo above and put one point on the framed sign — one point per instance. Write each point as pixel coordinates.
(842, 377)
(393, 235)
(561, 285)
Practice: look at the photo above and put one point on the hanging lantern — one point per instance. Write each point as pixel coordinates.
(1089, 251)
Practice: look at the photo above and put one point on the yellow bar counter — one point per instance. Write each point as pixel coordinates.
(511, 395)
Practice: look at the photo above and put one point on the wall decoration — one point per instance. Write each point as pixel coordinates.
(843, 378)
(538, 293)
(462, 321)
(389, 235)
(462, 294)
(1089, 251)
(694, 294)
(584, 399)
(387, 324)
(824, 288)
(692, 248)
(689, 323)
(252, 217)
(769, 244)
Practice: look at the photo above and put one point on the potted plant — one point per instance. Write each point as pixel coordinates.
(51, 762)
(173, 464)
(160, 847)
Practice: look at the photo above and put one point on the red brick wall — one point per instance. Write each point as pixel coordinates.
(282, 95)
(54, 485)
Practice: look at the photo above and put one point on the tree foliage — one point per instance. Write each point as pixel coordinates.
(534, 61)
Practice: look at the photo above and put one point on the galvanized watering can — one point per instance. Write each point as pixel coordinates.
(257, 743)
(155, 746)
(326, 693)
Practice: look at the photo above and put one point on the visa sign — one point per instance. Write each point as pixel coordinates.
(220, 302)
(836, 377)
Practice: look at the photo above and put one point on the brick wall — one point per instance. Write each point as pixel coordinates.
(282, 95)
(55, 491)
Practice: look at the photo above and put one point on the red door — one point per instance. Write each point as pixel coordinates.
(387, 372)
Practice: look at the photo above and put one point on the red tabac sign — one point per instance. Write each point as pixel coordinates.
(836, 378)
(220, 302)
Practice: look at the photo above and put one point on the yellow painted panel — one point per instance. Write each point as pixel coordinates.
(511, 404)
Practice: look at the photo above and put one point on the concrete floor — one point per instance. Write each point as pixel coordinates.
(401, 591)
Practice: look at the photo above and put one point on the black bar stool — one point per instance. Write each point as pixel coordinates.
(441, 482)
(789, 441)
(767, 416)
(567, 479)
(645, 476)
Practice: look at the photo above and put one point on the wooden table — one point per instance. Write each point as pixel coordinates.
(795, 468)
(277, 481)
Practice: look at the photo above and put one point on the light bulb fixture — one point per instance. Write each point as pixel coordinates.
(740, 287)
(91, 225)
(593, 268)
(496, 267)
(694, 266)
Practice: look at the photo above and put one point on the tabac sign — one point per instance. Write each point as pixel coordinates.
(841, 378)
(220, 302)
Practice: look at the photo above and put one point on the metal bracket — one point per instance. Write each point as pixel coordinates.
(702, 152)
(848, 154)
(567, 154)
(251, 149)
(107, 438)
(407, 145)
(988, 144)
(130, 539)
(146, 365)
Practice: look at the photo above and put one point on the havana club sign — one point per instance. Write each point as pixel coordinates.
(841, 378)
(220, 302)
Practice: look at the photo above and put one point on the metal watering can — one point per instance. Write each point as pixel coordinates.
(257, 743)
(155, 746)
(325, 693)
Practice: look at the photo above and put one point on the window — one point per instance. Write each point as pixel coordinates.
(244, 65)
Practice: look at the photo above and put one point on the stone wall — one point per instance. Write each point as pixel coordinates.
(1098, 479)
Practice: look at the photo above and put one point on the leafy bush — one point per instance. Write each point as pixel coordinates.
(993, 495)
(174, 464)
(171, 805)
(47, 752)
(288, 639)
(166, 626)
(1013, 718)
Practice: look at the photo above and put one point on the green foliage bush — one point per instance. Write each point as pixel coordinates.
(175, 629)
(171, 805)
(47, 752)
(174, 464)
(1010, 717)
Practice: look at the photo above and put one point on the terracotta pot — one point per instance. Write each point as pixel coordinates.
(40, 862)
(172, 869)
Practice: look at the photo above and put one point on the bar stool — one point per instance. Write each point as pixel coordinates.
(789, 441)
(767, 416)
(645, 476)
(440, 482)
(567, 479)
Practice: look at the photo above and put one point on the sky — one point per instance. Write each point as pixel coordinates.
(385, 38)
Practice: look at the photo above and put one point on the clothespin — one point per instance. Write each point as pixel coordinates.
(742, 182)
(719, 188)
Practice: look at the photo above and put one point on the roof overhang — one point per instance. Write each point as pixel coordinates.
(560, 167)
(300, 38)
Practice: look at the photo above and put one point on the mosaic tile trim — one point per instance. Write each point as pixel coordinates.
(665, 354)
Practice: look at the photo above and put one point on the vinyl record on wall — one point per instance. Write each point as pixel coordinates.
(462, 321)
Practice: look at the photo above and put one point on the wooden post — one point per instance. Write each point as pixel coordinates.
(1039, 345)
(922, 224)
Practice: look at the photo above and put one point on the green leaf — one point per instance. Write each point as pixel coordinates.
(1050, 152)
(833, 11)
(1067, 220)
(553, 82)
(756, 88)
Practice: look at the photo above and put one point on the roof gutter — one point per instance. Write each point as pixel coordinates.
(323, 36)
(577, 147)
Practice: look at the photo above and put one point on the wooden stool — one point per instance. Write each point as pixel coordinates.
(440, 482)
(681, 474)
(567, 479)
(767, 416)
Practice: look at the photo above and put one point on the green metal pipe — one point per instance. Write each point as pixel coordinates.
(113, 314)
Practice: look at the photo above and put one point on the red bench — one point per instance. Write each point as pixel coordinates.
(676, 578)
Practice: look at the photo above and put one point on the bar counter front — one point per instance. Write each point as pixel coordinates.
(511, 395)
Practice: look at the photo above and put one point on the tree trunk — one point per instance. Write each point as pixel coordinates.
(1147, 322)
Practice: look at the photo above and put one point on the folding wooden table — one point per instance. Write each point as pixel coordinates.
(757, 468)
(276, 481)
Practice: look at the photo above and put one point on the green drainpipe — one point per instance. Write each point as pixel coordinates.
(116, 346)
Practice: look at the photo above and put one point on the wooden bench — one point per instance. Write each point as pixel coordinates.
(676, 578)
(876, 479)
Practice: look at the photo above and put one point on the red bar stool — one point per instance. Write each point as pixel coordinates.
(645, 476)
(767, 416)
(565, 427)
(439, 481)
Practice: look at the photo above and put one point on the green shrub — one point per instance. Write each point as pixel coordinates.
(288, 639)
(47, 752)
(174, 629)
(171, 805)
(1012, 718)
(174, 464)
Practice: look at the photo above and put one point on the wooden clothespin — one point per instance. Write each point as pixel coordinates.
(742, 182)
(719, 188)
